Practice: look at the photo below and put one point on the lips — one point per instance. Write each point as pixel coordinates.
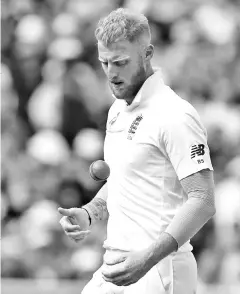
(116, 83)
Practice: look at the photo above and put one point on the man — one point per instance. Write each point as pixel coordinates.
(160, 191)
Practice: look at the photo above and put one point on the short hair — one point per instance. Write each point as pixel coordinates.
(123, 23)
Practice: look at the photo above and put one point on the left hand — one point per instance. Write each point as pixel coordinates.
(127, 269)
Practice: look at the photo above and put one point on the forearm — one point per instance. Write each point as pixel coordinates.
(97, 207)
(161, 248)
(196, 211)
(190, 219)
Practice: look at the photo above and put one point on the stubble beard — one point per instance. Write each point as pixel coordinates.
(132, 89)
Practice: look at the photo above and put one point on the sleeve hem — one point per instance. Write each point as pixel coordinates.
(185, 174)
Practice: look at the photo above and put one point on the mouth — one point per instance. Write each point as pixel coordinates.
(116, 84)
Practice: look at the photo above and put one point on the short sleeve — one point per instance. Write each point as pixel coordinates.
(184, 141)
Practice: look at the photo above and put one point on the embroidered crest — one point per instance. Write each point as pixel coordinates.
(133, 128)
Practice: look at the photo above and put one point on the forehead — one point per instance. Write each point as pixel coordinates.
(120, 49)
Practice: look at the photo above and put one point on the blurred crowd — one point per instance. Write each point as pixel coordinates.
(54, 107)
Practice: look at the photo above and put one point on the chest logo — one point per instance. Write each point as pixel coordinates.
(113, 120)
(134, 126)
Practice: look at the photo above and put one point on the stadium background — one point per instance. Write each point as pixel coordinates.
(54, 103)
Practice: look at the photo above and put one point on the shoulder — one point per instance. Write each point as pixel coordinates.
(173, 116)
(171, 110)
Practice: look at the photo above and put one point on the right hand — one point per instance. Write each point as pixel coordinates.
(75, 223)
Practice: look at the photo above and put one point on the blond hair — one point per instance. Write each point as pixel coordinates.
(123, 23)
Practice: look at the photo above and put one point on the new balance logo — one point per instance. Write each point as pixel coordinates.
(197, 150)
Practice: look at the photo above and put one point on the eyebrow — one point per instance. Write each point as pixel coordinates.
(114, 59)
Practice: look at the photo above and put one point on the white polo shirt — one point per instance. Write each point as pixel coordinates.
(150, 146)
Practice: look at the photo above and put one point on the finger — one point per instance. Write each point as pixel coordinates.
(71, 228)
(79, 235)
(116, 260)
(67, 221)
(122, 280)
(112, 271)
(78, 238)
(64, 211)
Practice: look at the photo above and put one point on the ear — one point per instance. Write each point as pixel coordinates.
(149, 52)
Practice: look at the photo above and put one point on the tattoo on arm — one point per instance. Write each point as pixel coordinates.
(97, 210)
(200, 185)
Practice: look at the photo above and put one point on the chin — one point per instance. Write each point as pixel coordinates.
(118, 95)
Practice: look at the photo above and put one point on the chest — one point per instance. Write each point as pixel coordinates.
(131, 144)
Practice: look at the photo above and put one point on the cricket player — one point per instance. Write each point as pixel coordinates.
(161, 190)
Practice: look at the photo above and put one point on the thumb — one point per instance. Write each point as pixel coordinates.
(65, 211)
(115, 260)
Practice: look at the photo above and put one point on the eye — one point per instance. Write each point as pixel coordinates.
(105, 63)
(121, 63)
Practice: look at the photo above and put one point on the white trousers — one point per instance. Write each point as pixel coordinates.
(176, 274)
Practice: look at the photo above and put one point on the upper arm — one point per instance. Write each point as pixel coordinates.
(184, 141)
(200, 185)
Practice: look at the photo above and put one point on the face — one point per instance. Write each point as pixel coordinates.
(124, 67)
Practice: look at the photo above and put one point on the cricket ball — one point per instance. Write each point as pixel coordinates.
(99, 170)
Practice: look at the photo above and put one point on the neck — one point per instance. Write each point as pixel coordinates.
(149, 72)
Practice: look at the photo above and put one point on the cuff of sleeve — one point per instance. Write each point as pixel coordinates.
(89, 217)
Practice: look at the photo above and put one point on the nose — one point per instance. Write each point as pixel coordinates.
(112, 71)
